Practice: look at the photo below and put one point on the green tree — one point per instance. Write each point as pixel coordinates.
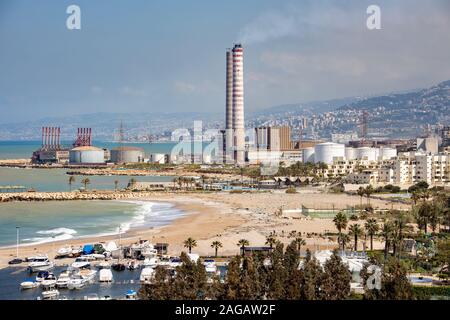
(335, 284)
(356, 231)
(71, 181)
(386, 234)
(271, 240)
(277, 275)
(311, 279)
(242, 244)
(190, 243)
(340, 221)
(361, 192)
(190, 281)
(372, 228)
(160, 287)
(216, 245)
(85, 182)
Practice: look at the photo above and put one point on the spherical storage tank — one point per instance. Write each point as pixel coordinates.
(127, 155)
(308, 155)
(328, 151)
(350, 153)
(366, 153)
(387, 153)
(87, 154)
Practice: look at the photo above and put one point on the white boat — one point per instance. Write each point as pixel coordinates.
(88, 274)
(29, 284)
(76, 251)
(91, 296)
(64, 252)
(42, 264)
(49, 281)
(146, 274)
(41, 276)
(175, 262)
(76, 282)
(210, 266)
(35, 258)
(63, 280)
(105, 275)
(151, 262)
(81, 263)
(50, 294)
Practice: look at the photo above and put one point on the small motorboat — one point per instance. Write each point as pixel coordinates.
(63, 279)
(146, 274)
(118, 267)
(88, 274)
(81, 263)
(132, 265)
(91, 296)
(29, 284)
(131, 295)
(64, 252)
(15, 261)
(76, 252)
(105, 275)
(42, 264)
(49, 281)
(36, 258)
(151, 262)
(41, 276)
(76, 282)
(210, 266)
(50, 294)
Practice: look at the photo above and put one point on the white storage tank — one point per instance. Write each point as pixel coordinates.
(126, 154)
(387, 153)
(308, 155)
(350, 153)
(87, 154)
(158, 158)
(366, 153)
(327, 152)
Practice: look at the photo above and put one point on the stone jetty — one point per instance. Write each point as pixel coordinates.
(66, 196)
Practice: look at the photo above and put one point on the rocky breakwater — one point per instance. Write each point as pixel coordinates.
(66, 196)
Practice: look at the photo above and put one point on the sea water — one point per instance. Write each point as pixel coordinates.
(42, 222)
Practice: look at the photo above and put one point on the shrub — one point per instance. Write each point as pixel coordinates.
(291, 190)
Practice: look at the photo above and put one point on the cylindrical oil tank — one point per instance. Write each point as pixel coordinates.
(87, 154)
(350, 153)
(366, 153)
(308, 155)
(327, 152)
(158, 158)
(387, 153)
(125, 154)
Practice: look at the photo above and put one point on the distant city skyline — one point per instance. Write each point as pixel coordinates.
(155, 56)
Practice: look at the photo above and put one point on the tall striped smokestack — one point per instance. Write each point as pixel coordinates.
(238, 103)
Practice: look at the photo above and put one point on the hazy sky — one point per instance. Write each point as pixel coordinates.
(169, 56)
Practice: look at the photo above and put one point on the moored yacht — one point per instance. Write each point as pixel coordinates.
(40, 264)
(49, 281)
(146, 274)
(29, 284)
(63, 279)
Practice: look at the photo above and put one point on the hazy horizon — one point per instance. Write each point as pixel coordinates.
(143, 56)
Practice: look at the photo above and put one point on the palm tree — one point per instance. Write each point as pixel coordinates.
(242, 244)
(340, 221)
(216, 245)
(297, 236)
(356, 231)
(368, 191)
(372, 228)
(344, 239)
(71, 181)
(361, 192)
(190, 243)
(271, 240)
(386, 233)
(132, 182)
(86, 181)
(116, 183)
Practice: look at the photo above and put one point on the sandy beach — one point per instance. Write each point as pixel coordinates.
(227, 218)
